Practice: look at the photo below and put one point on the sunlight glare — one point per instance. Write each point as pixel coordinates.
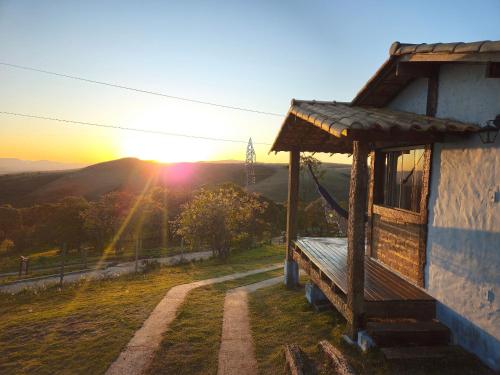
(164, 148)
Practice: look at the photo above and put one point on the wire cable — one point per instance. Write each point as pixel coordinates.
(174, 97)
(128, 128)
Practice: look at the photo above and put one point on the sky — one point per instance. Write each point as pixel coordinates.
(255, 54)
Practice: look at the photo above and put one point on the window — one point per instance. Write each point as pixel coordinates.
(403, 173)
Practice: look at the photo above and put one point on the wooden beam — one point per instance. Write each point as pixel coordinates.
(356, 237)
(291, 267)
(397, 215)
(415, 70)
(378, 182)
(451, 57)
(293, 200)
(371, 188)
(383, 138)
(424, 214)
(375, 192)
(432, 92)
(295, 363)
(493, 70)
(335, 356)
(328, 290)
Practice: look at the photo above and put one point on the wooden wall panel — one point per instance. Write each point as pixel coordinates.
(396, 244)
(398, 238)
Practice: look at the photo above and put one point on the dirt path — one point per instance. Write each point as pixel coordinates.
(139, 352)
(114, 271)
(236, 353)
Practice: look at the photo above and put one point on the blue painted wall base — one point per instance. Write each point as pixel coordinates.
(291, 273)
(314, 295)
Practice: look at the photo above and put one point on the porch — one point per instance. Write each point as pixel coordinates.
(387, 211)
(386, 295)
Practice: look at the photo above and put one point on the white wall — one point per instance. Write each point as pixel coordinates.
(463, 244)
(413, 98)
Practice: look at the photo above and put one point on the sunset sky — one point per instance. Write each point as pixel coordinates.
(256, 54)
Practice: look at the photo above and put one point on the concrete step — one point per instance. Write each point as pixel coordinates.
(402, 334)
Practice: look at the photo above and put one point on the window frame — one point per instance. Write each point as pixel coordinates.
(380, 177)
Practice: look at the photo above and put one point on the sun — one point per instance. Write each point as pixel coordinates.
(159, 147)
(167, 149)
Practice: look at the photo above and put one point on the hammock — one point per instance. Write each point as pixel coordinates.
(327, 197)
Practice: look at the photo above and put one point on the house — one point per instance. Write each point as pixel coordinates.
(424, 205)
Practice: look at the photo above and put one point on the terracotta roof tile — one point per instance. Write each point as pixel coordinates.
(386, 83)
(398, 49)
(342, 117)
(317, 126)
(490, 46)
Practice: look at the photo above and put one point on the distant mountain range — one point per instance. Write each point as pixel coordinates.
(28, 188)
(11, 165)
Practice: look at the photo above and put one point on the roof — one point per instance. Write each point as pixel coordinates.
(485, 46)
(390, 78)
(346, 122)
(335, 125)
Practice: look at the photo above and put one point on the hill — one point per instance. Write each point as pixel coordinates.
(275, 186)
(12, 165)
(26, 189)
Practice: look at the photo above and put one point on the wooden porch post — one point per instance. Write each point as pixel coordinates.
(356, 237)
(291, 267)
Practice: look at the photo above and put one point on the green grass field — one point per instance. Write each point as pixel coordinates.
(191, 345)
(48, 261)
(82, 328)
(280, 316)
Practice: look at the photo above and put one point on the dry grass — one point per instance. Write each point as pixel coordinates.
(82, 328)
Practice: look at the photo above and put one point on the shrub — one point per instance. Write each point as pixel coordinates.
(220, 219)
(6, 246)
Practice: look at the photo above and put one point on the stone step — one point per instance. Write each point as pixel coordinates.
(391, 334)
(421, 352)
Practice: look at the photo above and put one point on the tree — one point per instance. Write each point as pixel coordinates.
(314, 218)
(6, 246)
(68, 224)
(37, 230)
(10, 222)
(105, 220)
(220, 218)
(307, 187)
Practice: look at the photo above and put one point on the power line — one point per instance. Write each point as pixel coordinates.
(174, 97)
(128, 128)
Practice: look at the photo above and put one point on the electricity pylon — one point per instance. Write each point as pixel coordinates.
(249, 164)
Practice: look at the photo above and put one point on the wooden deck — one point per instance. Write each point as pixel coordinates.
(386, 294)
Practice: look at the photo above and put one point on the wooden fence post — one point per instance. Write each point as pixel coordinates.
(63, 260)
(182, 249)
(137, 244)
(85, 265)
(21, 262)
(356, 237)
